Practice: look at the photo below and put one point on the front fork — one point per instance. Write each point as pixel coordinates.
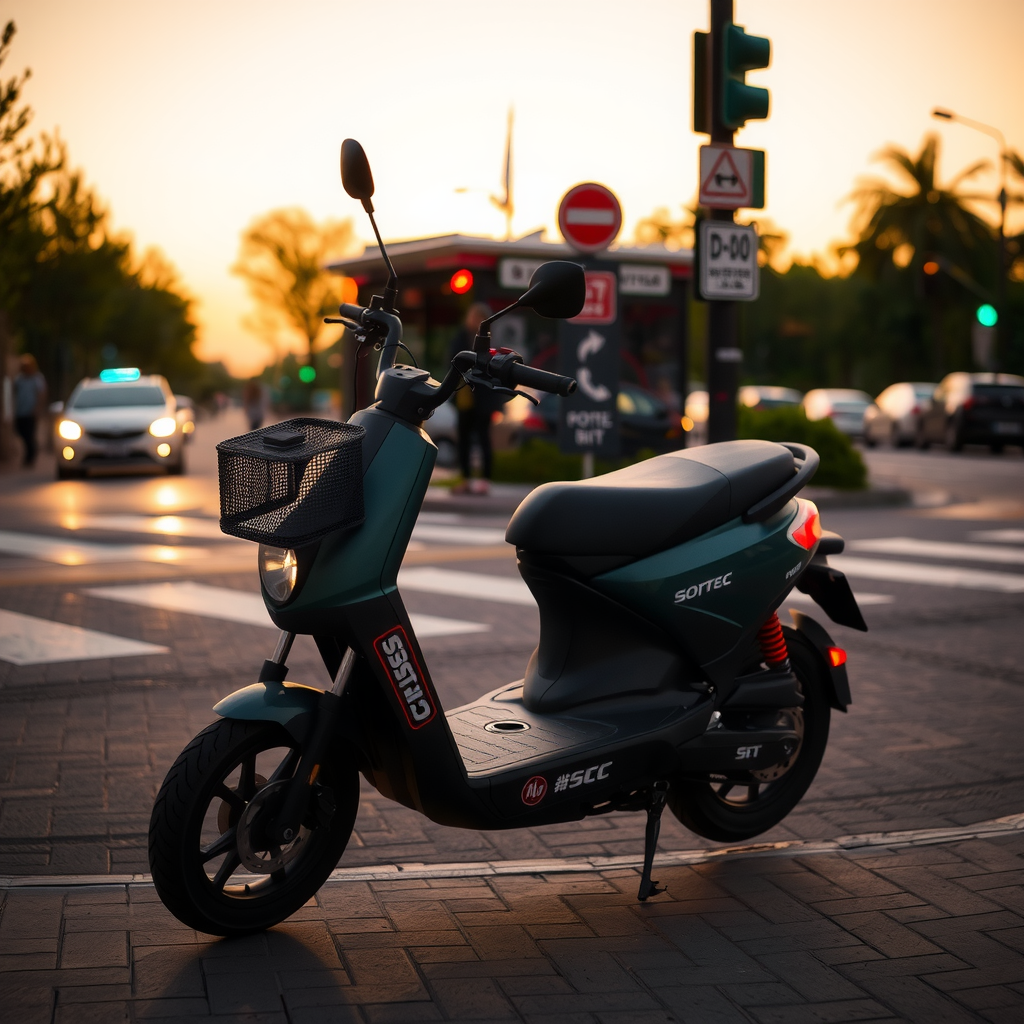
(287, 822)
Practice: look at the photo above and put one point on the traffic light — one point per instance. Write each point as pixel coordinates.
(721, 98)
(307, 374)
(742, 53)
(461, 282)
(987, 315)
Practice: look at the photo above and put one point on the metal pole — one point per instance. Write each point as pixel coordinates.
(1002, 324)
(722, 366)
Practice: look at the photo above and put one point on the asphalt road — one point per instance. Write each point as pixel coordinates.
(106, 671)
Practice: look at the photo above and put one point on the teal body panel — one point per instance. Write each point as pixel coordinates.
(270, 702)
(359, 565)
(710, 593)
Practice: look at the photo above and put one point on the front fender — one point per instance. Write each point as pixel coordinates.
(292, 705)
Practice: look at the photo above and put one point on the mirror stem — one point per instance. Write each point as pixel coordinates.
(482, 341)
(391, 288)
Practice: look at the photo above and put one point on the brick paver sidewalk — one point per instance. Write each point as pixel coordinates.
(932, 935)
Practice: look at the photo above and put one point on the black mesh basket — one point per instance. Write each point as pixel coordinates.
(292, 483)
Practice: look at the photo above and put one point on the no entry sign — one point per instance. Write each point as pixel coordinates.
(589, 217)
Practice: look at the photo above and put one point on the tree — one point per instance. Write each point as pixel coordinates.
(660, 228)
(906, 228)
(282, 259)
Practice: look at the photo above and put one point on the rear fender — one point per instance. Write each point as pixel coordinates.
(839, 681)
(291, 705)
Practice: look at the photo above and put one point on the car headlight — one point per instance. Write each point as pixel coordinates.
(69, 430)
(163, 427)
(279, 569)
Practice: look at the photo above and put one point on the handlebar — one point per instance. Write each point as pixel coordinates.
(531, 377)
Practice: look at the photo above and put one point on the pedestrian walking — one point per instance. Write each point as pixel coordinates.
(254, 402)
(29, 405)
(474, 410)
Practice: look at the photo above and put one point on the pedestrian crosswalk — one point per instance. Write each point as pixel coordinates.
(983, 560)
(191, 598)
(28, 640)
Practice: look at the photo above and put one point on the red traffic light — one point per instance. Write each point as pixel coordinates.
(931, 268)
(462, 281)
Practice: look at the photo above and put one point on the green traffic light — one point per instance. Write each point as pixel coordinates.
(987, 315)
(742, 53)
(307, 374)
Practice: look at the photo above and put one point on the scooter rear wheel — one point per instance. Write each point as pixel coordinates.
(213, 864)
(733, 811)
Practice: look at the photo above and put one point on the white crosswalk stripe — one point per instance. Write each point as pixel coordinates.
(931, 575)
(475, 585)
(83, 552)
(191, 598)
(999, 536)
(914, 548)
(27, 640)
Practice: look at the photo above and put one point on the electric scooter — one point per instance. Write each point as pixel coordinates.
(662, 676)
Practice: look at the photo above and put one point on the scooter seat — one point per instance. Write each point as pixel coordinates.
(653, 505)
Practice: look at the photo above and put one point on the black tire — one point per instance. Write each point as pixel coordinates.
(921, 441)
(996, 447)
(239, 760)
(64, 473)
(712, 810)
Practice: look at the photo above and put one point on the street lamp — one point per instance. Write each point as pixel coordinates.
(948, 115)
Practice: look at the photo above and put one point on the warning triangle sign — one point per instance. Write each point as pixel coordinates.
(724, 180)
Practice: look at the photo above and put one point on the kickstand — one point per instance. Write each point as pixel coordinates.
(657, 805)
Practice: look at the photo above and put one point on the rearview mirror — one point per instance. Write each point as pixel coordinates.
(557, 290)
(355, 172)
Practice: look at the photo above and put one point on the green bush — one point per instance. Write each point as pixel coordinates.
(539, 462)
(841, 463)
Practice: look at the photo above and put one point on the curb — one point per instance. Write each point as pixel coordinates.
(872, 497)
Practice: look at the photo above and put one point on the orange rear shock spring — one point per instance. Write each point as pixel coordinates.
(773, 643)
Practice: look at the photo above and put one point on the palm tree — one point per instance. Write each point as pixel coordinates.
(928, 219)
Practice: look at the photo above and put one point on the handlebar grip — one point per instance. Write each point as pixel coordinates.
(351, 312)
(531, 377)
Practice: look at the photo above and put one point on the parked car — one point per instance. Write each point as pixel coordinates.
(120, 418)
(645, 421)
(894, 416)
(974, 408)
(768, 396)
(844, 406)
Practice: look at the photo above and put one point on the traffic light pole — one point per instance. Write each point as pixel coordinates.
(723, 343)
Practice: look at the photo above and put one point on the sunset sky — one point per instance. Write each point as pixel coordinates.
(192, 118)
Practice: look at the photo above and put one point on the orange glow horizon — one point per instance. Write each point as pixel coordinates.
(192, 119)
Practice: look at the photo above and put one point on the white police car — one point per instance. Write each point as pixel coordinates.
(122, 418)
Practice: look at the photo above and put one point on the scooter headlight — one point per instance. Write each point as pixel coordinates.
(279, 569)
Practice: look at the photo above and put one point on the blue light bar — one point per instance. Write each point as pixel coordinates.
(122, 374)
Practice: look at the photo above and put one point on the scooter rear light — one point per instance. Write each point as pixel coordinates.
(805, 530)
(836, 656)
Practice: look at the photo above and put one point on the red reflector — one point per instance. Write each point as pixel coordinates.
(837, 656)
(809, 532)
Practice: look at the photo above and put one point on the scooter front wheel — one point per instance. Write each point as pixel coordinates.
(732, 811)
(214, 863)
